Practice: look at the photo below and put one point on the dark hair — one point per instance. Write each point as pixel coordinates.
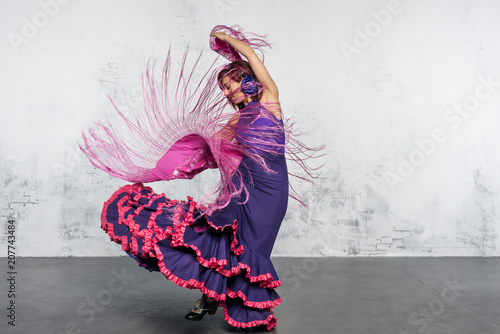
(236, 71)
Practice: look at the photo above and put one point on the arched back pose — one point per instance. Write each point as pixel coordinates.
(222, 249)
(260, 211)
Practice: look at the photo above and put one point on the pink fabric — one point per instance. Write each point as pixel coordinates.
(176, 134)
(176, 239)
(257, 42)
(182, 131)
(186, 158)
(192, 155)
(270, 322)
(224, 49)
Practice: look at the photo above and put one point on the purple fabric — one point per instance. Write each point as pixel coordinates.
(264, 135)
(260, 218)
(139, 220)
(171, 115)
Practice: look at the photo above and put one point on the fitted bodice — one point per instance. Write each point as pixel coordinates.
(259, 131)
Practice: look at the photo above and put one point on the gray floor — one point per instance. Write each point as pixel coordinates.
(332, 295)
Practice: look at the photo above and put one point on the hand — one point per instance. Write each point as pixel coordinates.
(220, 35)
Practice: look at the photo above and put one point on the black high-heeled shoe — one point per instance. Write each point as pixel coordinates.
(202, 307)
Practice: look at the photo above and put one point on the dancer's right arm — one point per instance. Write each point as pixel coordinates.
(270, 93)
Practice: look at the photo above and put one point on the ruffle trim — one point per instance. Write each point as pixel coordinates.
(270, 321)
(265, 280)
(262, 305)
(176, 239)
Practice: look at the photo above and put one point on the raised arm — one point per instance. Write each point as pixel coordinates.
(270, 93)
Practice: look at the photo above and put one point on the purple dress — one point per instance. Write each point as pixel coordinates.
(225, 254)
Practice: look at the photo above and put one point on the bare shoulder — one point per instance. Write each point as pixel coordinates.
(272, 103)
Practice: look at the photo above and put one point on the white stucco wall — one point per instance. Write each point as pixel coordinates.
(405, 96)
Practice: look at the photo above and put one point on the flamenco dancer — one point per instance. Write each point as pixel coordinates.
(223, 248)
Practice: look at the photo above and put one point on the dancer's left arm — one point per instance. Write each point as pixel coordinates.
(270, 93)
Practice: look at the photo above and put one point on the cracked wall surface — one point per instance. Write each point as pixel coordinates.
(406, 105)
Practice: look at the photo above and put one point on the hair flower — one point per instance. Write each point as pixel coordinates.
(249, 86)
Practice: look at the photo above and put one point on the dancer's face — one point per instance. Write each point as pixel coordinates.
(232, 90)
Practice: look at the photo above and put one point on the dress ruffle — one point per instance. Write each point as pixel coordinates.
(194, 251)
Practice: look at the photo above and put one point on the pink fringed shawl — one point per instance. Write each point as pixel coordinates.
(178, 135)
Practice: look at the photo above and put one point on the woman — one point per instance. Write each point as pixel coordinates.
(222, 249)
(259, 211)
